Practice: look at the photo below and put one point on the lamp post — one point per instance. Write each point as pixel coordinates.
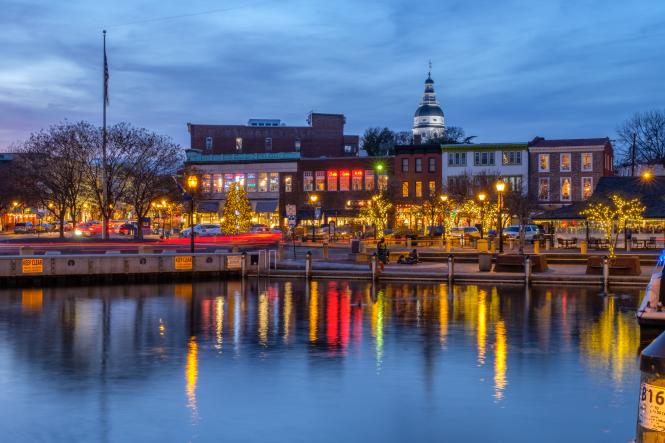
(500, 187)
(313, 198)
(192, 185)
(444, 202)
(482, 196)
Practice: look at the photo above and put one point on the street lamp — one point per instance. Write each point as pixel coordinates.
(192, 184)
(482, 196)
(500, 187)
(444, 202)
(313, 198)
(646, 175)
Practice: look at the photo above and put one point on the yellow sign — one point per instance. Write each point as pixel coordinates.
(183, 262)
(233, 262)
(32, 265)
(651, 410)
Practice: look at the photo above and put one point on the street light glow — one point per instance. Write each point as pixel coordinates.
(444, 198)
(646, 175)
(192, 182)
(500, 186)
(482, 196)
(313, 198)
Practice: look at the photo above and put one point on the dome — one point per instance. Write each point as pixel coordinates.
(429, 111)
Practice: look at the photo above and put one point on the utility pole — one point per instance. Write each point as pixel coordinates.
(632, 156)
(105, 199)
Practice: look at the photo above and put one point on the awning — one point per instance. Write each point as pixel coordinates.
(266, 206)
(208, 207)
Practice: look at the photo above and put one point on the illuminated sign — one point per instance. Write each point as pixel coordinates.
(32, 265)
(233, 262)
(183, 262)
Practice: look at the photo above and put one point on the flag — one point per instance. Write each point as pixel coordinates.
(106, 75)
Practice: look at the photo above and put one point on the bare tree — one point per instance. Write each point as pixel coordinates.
(55, 162)
(648, 128)
(151, 163)
(523, 207)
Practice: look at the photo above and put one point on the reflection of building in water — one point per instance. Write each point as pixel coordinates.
(481, 333)
(443, 314)
(263, 318)
(288, 309)
(191, 376)
(544, 319)
(611, 343)
(500, 359)
(219, 322)
(313, 310)
(377, 327)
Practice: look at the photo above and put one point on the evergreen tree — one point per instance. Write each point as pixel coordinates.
(237, 216)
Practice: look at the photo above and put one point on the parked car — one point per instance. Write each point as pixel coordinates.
(24, 228)
(45, 227)
(127, 229)
(87, 229)
(467, 232)
(531, 232)
(259, 228)
(201, 230)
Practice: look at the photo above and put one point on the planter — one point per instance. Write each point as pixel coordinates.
(484, 262)
(620, 265)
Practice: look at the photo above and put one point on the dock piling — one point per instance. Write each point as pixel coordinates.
(374, 266)
(606, 275)
(308, 264)
(527, 270)
(451, 268)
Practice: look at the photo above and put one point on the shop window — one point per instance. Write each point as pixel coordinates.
(288, 183)
(432, 188)
(564, 162)
(587, 161)
(240, 179)
(357, 180)
(263, 181)
(587, 187)
(217, 183)
(431, 164)
(274, 182)
(332, 180)
(251, 182)
(383, 182)
(419, 165)
(405, 189)
(308, 181)
(205, 183)
(544, 189)
(419, 189)
(565, 188)
(543, 163)
(344, 178)
(228, 179)
(369, 180)
(320, 180)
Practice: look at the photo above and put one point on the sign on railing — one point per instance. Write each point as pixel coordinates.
(234, 262)
(32, 265)
(183, 262)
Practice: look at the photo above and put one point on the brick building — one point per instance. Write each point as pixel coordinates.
(562, 172)
(324, 136)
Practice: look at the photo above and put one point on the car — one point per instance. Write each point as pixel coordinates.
(466, 231)
(24, 228)
(531, 232)
(127, 229)
(202, 230)
(87, 229)
(259, 228)
(44, 227)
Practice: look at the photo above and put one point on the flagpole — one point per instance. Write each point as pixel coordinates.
(105, 198)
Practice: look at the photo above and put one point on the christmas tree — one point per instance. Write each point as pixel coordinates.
(375, 213)
(237, 216)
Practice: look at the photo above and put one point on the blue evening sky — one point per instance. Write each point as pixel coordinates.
(504, 71)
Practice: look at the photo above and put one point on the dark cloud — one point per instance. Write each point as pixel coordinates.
(503, 70)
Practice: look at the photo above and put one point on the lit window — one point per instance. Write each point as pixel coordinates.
(383, 182)
(369, 180)
(431, 164)
(209, 143)
(564, 165)
(419, 189)
(308, 181)
(587, 187)
(332, 180)
(205, 183)
(263, 182)
(251, 182)
(419, 165)
(348, 149)
(217, 183)
(344, 178)
(238, 143)
(274, 182)
(240, 178)
(357, 181)
(268, 143)
(405, 189)
(320, 180)
(565, 188)
(288, 183)
(432, 188)
(587, 161)
(543, 163)
(228, 179)
(544, 189)
(511, 158)
(405, 165)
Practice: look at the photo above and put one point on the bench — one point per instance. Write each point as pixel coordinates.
(622, 265)
(515, 263)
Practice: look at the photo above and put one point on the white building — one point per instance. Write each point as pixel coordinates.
(428, 121)
(510, 161)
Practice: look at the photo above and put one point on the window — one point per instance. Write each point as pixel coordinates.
(543, 163)
(431, 164)
(564, 162)
(296, 145)
(288, 183)
(419, 165)
(205, 183)
(320, 180)
(217, 183)
(405, 165)
(251, 182)
(587, 187)
(357, 180)
(432, 188)
(268, 143)
(240, 179)
(263, 182)
(274, 182)
(405, 189)
(369, 180)
(209, 143)
(238, 143)
(511, 158)
(587, 161)
(344, 177)
(514, 182)
(332, 180)
(383, 182)
(544, 189)
(457, 159)
(348, 149)
(483, 158)
(565, 188)
(308, 181)
(228, 179)
(419, 189)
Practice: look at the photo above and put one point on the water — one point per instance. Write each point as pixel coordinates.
(331, 361)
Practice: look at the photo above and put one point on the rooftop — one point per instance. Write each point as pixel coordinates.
(540, 142)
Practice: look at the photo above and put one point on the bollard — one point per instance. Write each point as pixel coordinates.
(606, 275)
(583, 247)
(308, 264)
(451, 268)
(493, 246)
(651, 403)
(527, 270)
(374, 266)
(547, 245)
(243, 264)
(449, 244)
(536, 247)
(325, 250)
(511, 244)
(408, 243)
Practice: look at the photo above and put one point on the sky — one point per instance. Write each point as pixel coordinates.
(504, 71)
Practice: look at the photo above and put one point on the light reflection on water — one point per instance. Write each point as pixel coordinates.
(286, 361)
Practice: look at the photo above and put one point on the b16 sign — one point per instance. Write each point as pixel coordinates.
(651, 410)
(183, 262)
(32, 265)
